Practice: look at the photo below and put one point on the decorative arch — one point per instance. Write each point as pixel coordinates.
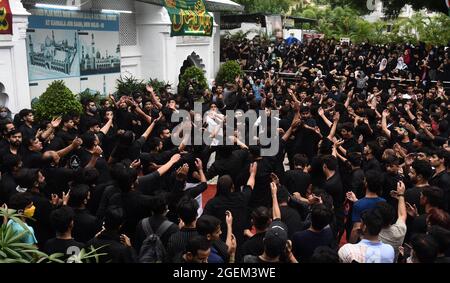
(192, 60)
(4, 98)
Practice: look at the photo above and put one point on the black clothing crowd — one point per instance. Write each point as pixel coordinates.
(363, 159)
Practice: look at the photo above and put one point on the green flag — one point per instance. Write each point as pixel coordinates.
(189, 17)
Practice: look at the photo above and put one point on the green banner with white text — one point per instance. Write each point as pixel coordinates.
(189, 18)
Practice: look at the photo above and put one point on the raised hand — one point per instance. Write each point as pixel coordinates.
(65, 197)
(199, 164)
(253, 168)
(56, 121)
(175, 158)
(351, 196)
(336, 117)
(229, 218)
(97, 151)
(135, 164)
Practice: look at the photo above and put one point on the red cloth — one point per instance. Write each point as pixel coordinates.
(407, 57)
(5, 18)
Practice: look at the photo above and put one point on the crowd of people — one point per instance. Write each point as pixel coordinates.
(361, 173)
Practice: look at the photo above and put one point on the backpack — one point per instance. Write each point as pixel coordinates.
(152, 249)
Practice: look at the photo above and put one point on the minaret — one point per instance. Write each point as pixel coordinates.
(53, 37)
(93, 66)
(93, 46)
(104, 85)
(30, 42)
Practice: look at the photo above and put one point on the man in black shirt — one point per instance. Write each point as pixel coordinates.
(198, 249)
(227, 199)
(14, 145)
(91, 155)
(66, 132)
(333, 186)
(85, 224)
(371, 153)
(11, 165)
(290, 216)
(90, 115)
(159, 208)
(62, 222)
(419, 174)
(117, 247)
(261, 219)
(440, 160)
(187, 211)
(305, 242)
(297, 180)
(32, 157)
(28, 129)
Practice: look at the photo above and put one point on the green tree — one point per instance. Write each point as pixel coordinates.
(266, 6)
(196, 76)
(393, 7)
(129, 85)
(228, 73)
(57, 100)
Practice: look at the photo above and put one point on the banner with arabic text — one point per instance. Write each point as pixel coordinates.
(189, 18)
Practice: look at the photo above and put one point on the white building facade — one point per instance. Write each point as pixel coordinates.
(147, 50)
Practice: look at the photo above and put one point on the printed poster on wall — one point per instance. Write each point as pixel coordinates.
(68, 44)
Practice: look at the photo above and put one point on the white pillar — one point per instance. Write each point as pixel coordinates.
(13, 60)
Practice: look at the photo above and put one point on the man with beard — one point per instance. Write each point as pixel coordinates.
(90, 115)
(440, 160)
(33, 181)
(419, 174)
(14, 147)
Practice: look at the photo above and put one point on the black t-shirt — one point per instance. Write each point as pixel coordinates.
(237, 203)
(412, 196)
(85, 225)
(292, 220)
(333, 187)
(32, 159)
(85, 120)
(357, 183)
(442, 180)
(27, 132)
(297, 181)
(66, 247)
(81, 158)
(351, 145)
(66, 137)
(372, 164)
(7, 187)
(128, 152)
(253, 246)
(305, 242)
(136, 206)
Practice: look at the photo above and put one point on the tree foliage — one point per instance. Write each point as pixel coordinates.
(346, 22)
(196, 76)
(57, 100)
(228, 72)
(129, 85)
(266, 6)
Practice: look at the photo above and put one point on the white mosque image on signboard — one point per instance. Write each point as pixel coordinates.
(53, 55)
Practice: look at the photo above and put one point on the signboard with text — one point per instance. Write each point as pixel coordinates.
(189, 17)
(81, 48)
(72, 44)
